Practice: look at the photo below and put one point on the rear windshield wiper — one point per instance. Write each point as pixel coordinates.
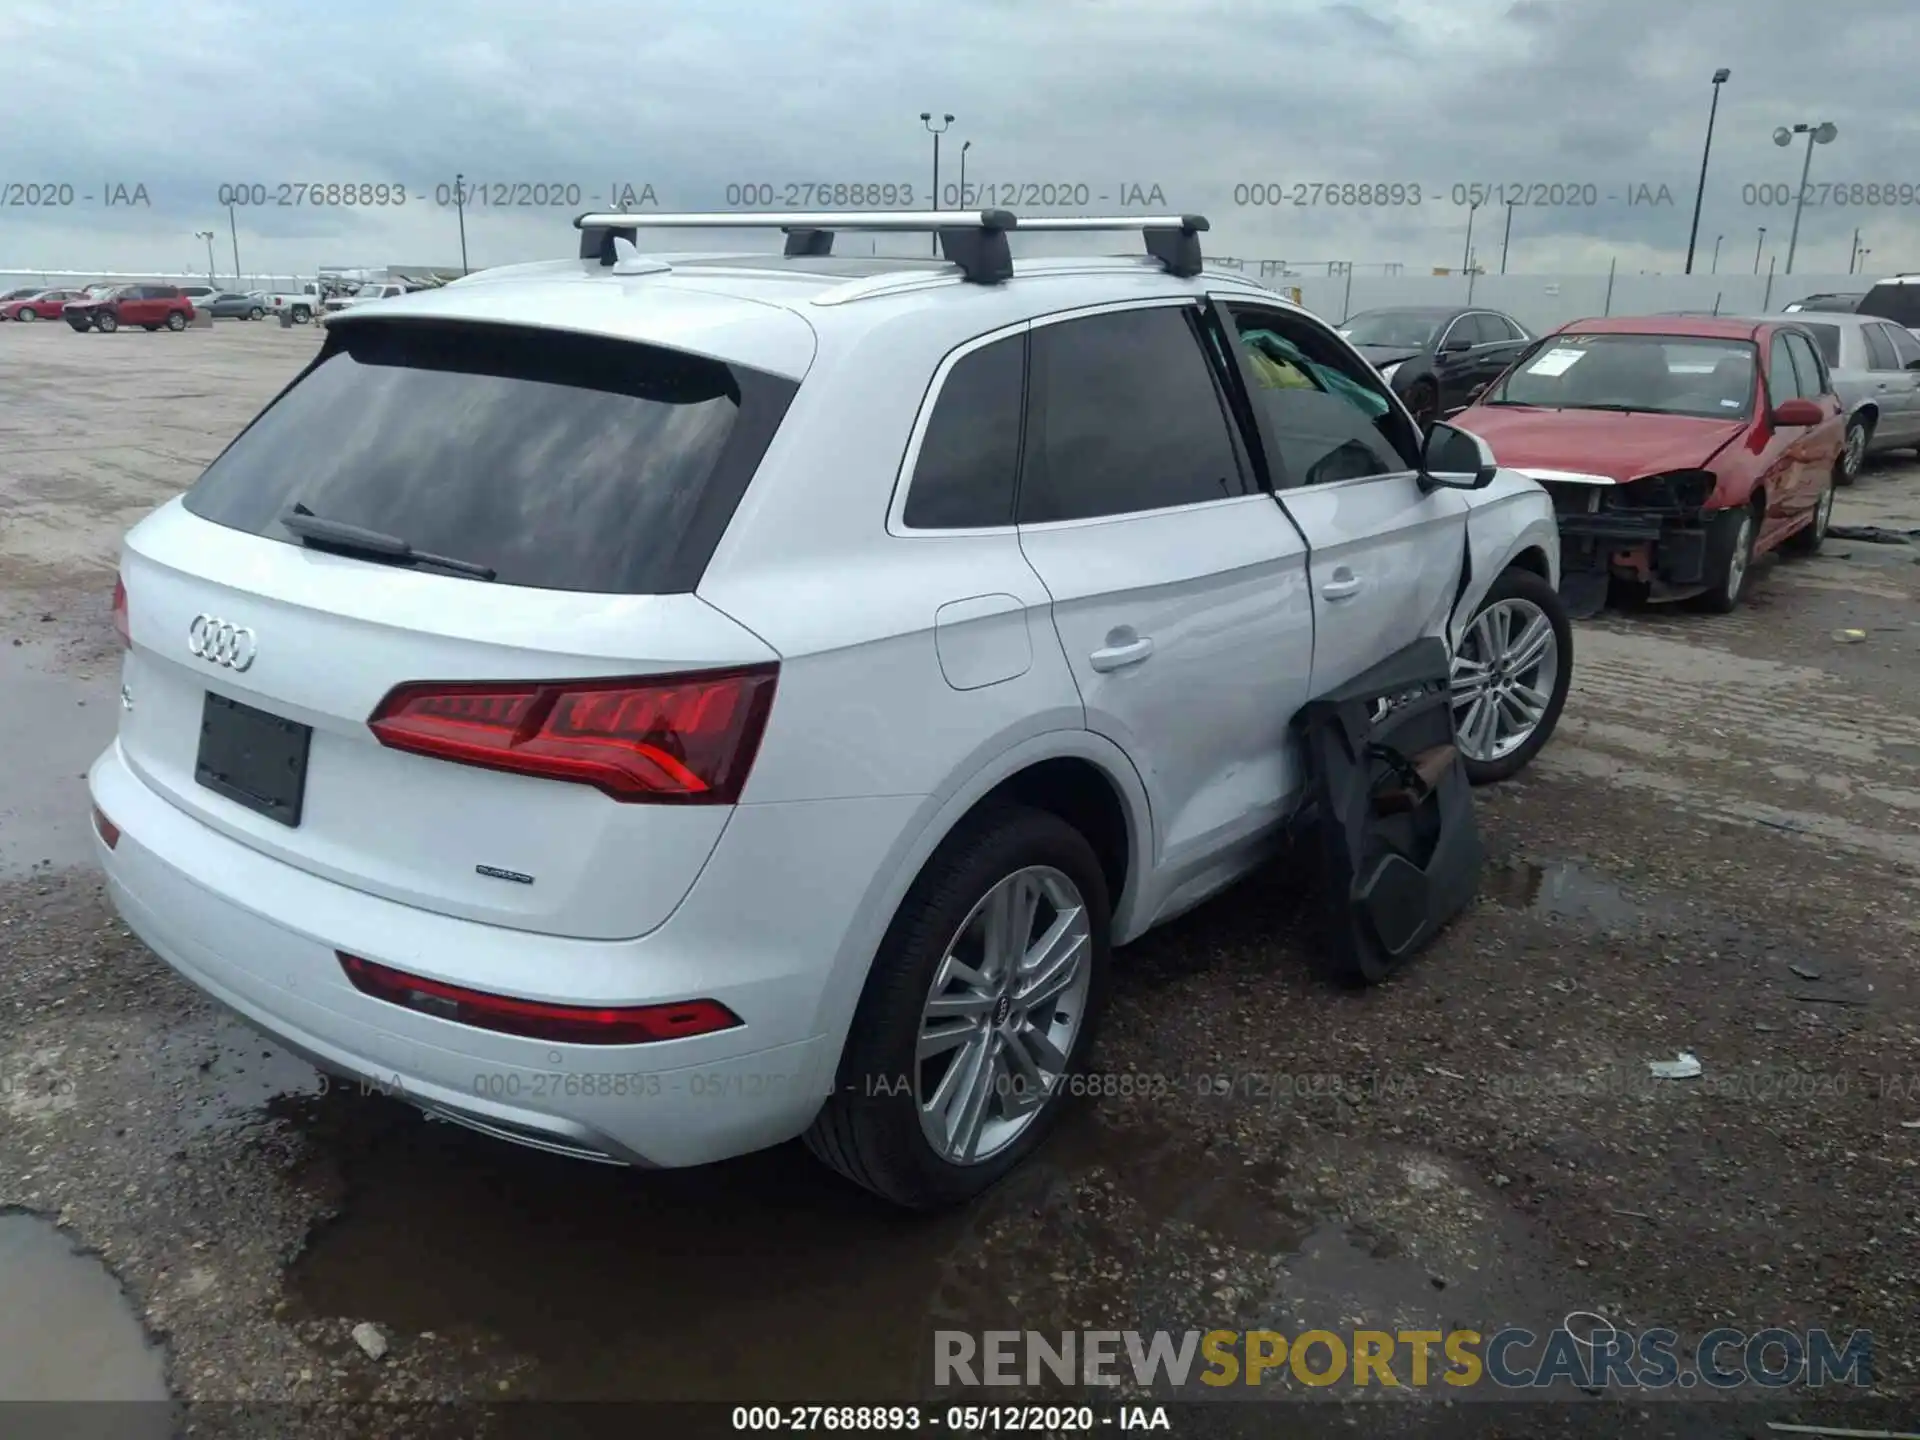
(376, 544)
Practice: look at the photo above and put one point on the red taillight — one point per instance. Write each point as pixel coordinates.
(536, 1019)
(683, 739)
(120, 627)
(109, 831)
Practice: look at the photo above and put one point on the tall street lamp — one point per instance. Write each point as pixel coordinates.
(234, 231)
(1817, 134)
(968, 145)
(1506, 239)
(1466, 255)
(207, 235)
(1716, 254)
(1719, 79)
(1756, 249)
(460, 204)
(926, 119)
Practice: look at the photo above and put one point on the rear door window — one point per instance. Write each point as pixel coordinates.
(1906, 349)
(1127, 416)
(1811, 375)
(563, 462)
(1827, 337)
(1880, 355)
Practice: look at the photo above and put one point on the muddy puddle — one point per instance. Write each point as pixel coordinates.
(1563, 890)
(769, 1276)
(67, 1333)
(57, 723)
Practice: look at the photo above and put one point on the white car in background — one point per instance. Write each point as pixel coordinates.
(678, 705)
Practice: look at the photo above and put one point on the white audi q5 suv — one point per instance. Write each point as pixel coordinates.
(654, 708)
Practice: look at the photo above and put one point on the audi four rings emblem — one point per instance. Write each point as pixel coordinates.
(221, 643)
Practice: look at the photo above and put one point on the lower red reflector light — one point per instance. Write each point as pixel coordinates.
(109, 831)
(537, 1019)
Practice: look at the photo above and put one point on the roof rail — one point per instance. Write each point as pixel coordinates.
(974, 240)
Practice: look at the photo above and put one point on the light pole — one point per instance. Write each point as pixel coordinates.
(1817, 134)
(965, 146)
(1506, 239)
(1853, 255)
(233, 230)
(1466, 255)
(926, 119)
(1756, 249)
(460, 204)
(1716, 254)
(1719, 79)
(207, 235)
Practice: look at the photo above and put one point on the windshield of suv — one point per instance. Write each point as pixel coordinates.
(1413, 329)
(562, 462)
(1655, 374)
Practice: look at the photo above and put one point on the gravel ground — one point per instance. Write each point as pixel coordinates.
(1716, 855)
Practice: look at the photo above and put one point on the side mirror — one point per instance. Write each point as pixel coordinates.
(1797, 414)
(1456, 342)
(1455, 459)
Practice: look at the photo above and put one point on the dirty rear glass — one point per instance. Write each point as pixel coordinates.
(563, 462)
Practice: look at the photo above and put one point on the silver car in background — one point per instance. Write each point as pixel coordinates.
(1876, 373)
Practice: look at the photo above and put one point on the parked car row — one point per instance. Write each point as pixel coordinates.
(84, 309)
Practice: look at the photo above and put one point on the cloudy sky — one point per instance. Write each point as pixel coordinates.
(1200, 98)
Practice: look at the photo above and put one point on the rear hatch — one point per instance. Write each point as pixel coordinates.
(593, 477)
(1897, 300)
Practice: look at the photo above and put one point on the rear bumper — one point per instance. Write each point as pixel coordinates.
(260, 937)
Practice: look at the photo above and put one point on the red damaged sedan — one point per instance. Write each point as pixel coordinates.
(1676, 449)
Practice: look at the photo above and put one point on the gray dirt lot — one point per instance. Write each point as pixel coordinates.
(1717, 854)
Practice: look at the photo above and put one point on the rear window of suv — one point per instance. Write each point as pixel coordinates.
(562, 462)
(1895, 302)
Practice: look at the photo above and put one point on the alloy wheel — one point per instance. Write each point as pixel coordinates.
(1823, 515)
(1002, 1014)
(1742, 553)
(1855, 454)
(1503, 678)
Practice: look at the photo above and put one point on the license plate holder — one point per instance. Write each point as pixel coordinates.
(253, 758)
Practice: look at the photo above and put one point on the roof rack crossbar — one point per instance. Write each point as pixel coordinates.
(1173, 240)
(974, 240)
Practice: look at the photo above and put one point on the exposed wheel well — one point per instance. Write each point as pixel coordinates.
(1081, 795)
(1532, 559)
(1868, 413)
(1757, 501)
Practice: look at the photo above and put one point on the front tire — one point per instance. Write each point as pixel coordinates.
(301, 315)
(976, 1016)
(176, 322)
(1511, 674)
(106, 322)
(256, 313)
(28, 315)
(1729, 559)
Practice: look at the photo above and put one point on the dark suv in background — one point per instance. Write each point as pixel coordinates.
(148, 306)
(1896, 299)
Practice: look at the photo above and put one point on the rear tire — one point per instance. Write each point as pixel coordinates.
(1729, 559)
(1498, 670)
(301, 315)
(1808, 541)
(871, 1128)
(1853, 452)
(176, 322)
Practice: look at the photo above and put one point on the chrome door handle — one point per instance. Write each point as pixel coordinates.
(1343, 584)
(1118, 657)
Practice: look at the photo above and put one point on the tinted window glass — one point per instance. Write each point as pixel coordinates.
(1484, 329)
(970, 453)
(1906, 349)
(1812, 377)
(1827, 337)
(564, 462)
(1880, 354)
(162, 292)
(1329, 421)
(1400, 329)
(1782, 385)
(1127, 416)
(1898, 303)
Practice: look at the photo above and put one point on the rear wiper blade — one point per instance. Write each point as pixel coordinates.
(377, 544)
